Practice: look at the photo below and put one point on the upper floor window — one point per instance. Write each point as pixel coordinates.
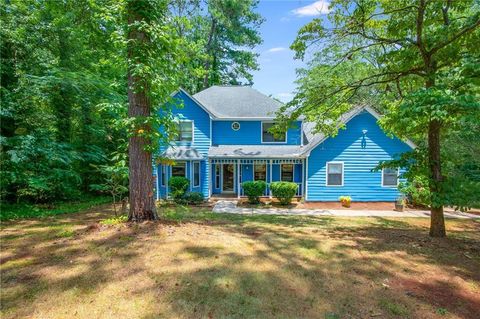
(184, 131)
(390, 177)
(268, 137)
(335, 174)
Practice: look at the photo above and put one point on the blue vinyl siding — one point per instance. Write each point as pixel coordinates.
(360, 155)
(250, 133)
(201, 139)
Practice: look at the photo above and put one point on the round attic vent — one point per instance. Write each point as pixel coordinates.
(235, 126)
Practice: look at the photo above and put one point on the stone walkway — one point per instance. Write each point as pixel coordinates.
(230, 206)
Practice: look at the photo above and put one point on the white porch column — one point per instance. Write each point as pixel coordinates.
(269, 189)
(238, 178)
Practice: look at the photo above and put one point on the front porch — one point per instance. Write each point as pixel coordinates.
(227, 175)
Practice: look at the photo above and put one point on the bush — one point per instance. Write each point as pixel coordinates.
(416, 191)
(253, 190)
(193, 198)
(178, 187)
(284, 191)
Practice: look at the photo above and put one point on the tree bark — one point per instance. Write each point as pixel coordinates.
(437, 221)
(142, 203)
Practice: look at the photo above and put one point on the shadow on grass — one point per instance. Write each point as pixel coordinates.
(256, 266)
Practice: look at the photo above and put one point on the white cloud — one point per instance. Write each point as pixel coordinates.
(277, 49)
(314, 9)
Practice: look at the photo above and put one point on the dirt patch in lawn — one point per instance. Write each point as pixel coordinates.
(202, 265)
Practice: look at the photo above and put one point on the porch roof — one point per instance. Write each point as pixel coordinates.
(256, 151)
(182, 153)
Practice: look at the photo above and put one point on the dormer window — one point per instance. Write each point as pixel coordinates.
(268, 137)
(184, 131)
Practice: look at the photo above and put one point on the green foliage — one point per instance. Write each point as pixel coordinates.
(115, 180)
(115, 220)
(284, 191)
(178, 187)
(23, 211)
(220, 37)
(416, 191)
(194, 198)
(253, 190)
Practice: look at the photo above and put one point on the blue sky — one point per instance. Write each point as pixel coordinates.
(282, 21)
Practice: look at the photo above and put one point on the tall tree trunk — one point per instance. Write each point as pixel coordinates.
(437, 221)
(142, 204)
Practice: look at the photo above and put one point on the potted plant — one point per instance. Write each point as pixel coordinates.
(345, 200)
(400, 204)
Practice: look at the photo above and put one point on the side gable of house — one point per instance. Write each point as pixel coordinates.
(186, 108)
(358, 149)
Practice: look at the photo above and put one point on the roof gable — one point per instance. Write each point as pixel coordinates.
(316, 138)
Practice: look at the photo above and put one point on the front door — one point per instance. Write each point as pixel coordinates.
(228, 177)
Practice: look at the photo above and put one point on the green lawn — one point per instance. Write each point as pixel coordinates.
(196, 264)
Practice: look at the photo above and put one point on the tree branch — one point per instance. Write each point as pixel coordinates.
(455, 37)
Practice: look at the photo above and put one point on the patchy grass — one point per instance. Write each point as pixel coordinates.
(114, 220)
(196, 264)
(23, 211)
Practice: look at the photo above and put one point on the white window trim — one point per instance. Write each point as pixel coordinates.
(266, 169)
(193, 173)
(261, 134)
(398, 178)
(326, 174)
(184, 165)
(193, 131)
(293, 172)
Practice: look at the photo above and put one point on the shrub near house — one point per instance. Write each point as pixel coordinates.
(253, 190)
(284, 191)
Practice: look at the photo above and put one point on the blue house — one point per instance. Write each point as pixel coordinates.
(224, 140)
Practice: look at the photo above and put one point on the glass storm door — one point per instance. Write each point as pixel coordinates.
(228, 177)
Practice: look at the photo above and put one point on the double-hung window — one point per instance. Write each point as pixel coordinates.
(179, 169)
(196, 174)
(268, 137)
(184, 131)
(335, 174)
(287, 173)
(260, 172)
(390, 177)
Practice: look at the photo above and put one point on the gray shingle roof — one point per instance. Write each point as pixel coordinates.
(255, 151)
(182, 153)
(237, 102)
